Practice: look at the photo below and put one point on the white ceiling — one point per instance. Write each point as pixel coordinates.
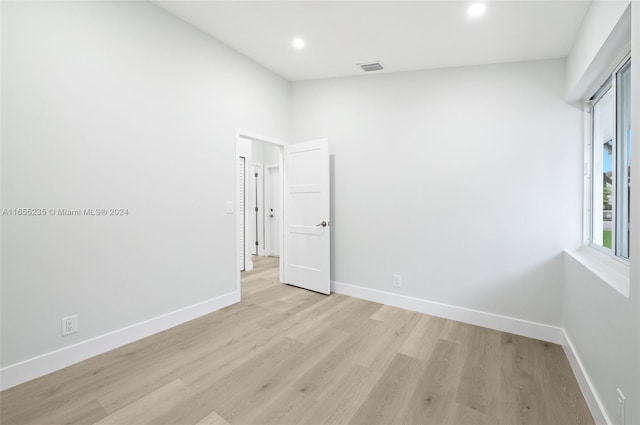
(404, 35)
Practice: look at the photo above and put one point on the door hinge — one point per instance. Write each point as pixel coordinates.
(256, 209)
(256, 174)
(256, 243)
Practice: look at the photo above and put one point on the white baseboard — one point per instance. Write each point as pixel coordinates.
(50, 362)
(588, 390)
(475, 317)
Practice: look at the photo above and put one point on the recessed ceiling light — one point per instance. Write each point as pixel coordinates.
(298, 43)
(476, 9)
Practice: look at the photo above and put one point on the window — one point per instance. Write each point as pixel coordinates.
(611, 163)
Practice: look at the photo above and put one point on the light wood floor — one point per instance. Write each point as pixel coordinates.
(289, 356)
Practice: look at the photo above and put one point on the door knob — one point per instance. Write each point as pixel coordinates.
(323, 224)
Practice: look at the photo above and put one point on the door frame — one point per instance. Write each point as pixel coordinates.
(243, 139)
(267, 199)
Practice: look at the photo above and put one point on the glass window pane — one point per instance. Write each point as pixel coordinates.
(607, 193)
(602, 172)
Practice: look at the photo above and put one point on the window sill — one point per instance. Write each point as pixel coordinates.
(610, 270)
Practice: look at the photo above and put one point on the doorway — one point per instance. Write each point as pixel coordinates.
(272, 210)
(259, 203)
(299, 238)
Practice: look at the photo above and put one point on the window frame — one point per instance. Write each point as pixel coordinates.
(609, 84)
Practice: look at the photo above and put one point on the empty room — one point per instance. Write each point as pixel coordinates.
(319, 212)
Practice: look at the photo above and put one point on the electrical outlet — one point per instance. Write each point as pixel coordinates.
(69, 325)
(397, 280)
(621, 402)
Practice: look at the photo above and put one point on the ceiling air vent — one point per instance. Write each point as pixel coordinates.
(371, 66)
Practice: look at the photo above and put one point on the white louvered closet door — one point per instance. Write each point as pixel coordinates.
(242, 187)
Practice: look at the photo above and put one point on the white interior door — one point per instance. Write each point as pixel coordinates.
(306, 215)
(272, 209)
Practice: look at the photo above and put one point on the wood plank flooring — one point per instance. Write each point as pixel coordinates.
(289, 356)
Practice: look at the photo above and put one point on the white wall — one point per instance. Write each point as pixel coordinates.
(604, 26)
(118, 104)
(602, 324)
(256, 152)
(464, 181)
(265, 153)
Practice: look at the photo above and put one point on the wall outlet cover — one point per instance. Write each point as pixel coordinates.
(397, 280)
(69, 325)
